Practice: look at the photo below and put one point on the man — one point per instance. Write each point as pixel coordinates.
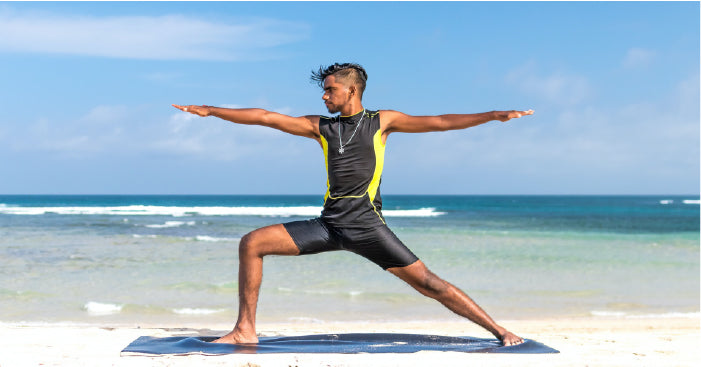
(353, 143)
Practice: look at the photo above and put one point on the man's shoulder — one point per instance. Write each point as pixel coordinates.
(388, 113)
(373, 113)
(325, 120)
(325, 124)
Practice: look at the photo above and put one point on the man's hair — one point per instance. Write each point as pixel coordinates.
(351, 71)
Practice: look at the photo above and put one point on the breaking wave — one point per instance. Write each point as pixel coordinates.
(182, 211)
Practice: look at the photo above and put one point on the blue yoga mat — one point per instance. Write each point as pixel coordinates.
(330, 343)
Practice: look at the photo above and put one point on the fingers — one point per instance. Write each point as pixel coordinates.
(191, 108)
(195, 110)
(508, 115)
(517, 114)
(181, 108)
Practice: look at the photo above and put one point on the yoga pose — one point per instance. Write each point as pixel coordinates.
(353, 143)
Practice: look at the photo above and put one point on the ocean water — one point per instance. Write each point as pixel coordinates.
(173, 259)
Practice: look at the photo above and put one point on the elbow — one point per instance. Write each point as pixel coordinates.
(442, 124)
(264, 116)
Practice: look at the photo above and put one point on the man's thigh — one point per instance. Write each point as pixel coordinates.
(379, 245)
(312, 236)
(271, 240)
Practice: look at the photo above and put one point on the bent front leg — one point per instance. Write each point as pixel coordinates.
(272, 240)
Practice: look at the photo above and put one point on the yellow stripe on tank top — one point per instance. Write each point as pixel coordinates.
(325, 147)
(379, 164)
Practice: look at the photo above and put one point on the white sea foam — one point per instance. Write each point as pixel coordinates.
(215, 239)
(305, 320)
(144, 236)
(667, 315)
(99, 309)
(179, 211)
(423, 212)
(196, 311)
(688, 201)
(171, 224)
(608, 313)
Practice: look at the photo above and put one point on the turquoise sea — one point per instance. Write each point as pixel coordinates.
(171, 259)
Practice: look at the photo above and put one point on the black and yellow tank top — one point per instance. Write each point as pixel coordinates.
(354, 169)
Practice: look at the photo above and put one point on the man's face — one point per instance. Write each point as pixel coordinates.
(336, 94)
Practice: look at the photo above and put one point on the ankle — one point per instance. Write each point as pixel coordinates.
(244, 328)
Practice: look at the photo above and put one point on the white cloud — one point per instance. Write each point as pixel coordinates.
(118, 130)
(557, 87)
(96, 131)
(638, 58)
(635, 147)
(105, 114)
(165, 37)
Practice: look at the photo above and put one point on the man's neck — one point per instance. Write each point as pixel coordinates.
(351, 109)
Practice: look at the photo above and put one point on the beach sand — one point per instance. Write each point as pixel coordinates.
(591, 341)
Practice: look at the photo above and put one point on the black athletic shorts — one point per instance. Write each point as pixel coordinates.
(377, 244)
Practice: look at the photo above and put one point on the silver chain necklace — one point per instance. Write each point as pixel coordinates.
(340, 133)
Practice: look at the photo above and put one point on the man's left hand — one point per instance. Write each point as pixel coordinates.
(504, 116)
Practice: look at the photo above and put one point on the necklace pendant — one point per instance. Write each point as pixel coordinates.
(341, 150)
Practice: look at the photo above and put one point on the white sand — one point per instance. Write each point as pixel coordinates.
(582, 342)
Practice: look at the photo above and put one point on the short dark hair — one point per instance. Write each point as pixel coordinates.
(355, 72)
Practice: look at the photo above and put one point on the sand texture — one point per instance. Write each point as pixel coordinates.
(582, 342)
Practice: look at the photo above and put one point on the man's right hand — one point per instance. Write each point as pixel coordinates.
(504, 116)
(203, 111)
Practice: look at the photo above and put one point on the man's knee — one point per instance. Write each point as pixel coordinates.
(272, 240)
(248, 245)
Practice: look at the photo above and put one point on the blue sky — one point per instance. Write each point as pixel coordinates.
(86, 89)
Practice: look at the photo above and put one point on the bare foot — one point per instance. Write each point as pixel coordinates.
(509, 339)
(236, 337)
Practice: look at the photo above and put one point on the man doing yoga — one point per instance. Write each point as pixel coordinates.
(353, 143)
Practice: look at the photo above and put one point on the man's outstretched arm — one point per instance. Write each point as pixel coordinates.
(394, 121)
(307, 126)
